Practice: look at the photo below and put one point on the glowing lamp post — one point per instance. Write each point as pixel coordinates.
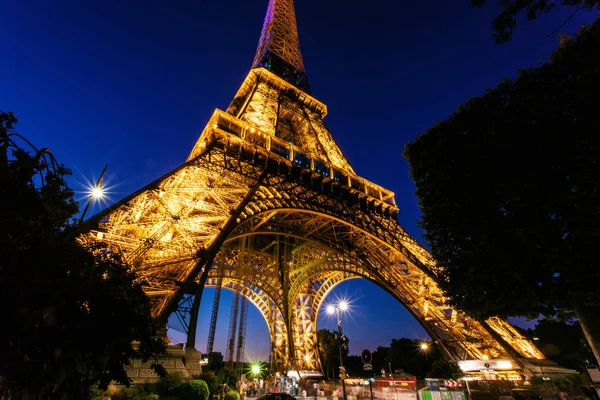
(95, 193)
(332, 309)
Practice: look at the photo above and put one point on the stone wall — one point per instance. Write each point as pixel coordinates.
(187, 362)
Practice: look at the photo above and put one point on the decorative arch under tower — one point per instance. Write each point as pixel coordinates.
(268, 206)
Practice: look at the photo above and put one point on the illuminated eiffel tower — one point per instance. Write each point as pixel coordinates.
(267, 206)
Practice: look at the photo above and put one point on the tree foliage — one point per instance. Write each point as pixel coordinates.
(227, 376)
(232, 395)
(509, 192)
(505, 23)
(406, 356)
(194, 389)
(329, 352)
(561, 342)
(70, 314)
(212, 381)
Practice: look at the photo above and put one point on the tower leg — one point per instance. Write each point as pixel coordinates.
(305, 332)
(279, 337)
(283, 271)
(191, 337)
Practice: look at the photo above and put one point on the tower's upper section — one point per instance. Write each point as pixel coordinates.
(279, 47)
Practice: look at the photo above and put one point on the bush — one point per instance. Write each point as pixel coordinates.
(227, 376)
(232, 395)
(194, 389)
(143, 392)
(170, 384)
(211, 380)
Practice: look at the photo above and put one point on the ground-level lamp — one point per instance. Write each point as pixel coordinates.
(424, 347)
(334, 309)
(255, 369)
(94, 193)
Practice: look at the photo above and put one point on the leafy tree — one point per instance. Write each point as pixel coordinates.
(509, 192)
(227, 376)
(354, 366)
(380, 359)
(505, 23)
(169, 384)
(232, 395)
(195, 389)
(329, 352)
(70, 314)
(139, 392)
(212, 381)
(442, 368)
(407, 355)
(562, 342)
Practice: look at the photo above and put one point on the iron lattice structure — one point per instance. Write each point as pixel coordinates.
(267, 206)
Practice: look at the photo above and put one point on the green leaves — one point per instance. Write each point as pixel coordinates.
(508, 189)
(70, 313)
(329, 351)
(505, 23)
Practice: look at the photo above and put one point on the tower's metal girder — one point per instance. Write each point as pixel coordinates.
(268, 173)
(349, 221)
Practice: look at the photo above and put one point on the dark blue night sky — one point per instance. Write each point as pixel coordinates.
(132, 83)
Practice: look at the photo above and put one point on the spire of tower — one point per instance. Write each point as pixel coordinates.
(279, 47)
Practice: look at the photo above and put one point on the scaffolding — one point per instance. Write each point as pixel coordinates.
(214, 316)
(241, 341)
(233, 319)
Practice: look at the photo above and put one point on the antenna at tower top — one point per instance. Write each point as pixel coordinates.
(279, 46)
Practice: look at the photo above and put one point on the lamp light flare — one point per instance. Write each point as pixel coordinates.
(343, 304)
(256, 369)
(424, 346)
(330, 309)
(97, 192)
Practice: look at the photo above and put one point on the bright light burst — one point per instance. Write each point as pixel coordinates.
(97, 192)
(424, 346)
(343, 305)
(94, 191)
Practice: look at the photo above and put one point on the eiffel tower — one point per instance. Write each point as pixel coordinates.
(268, 206)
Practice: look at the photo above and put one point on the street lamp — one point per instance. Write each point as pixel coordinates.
(332, 309)
(425, 347)
(95, 193)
